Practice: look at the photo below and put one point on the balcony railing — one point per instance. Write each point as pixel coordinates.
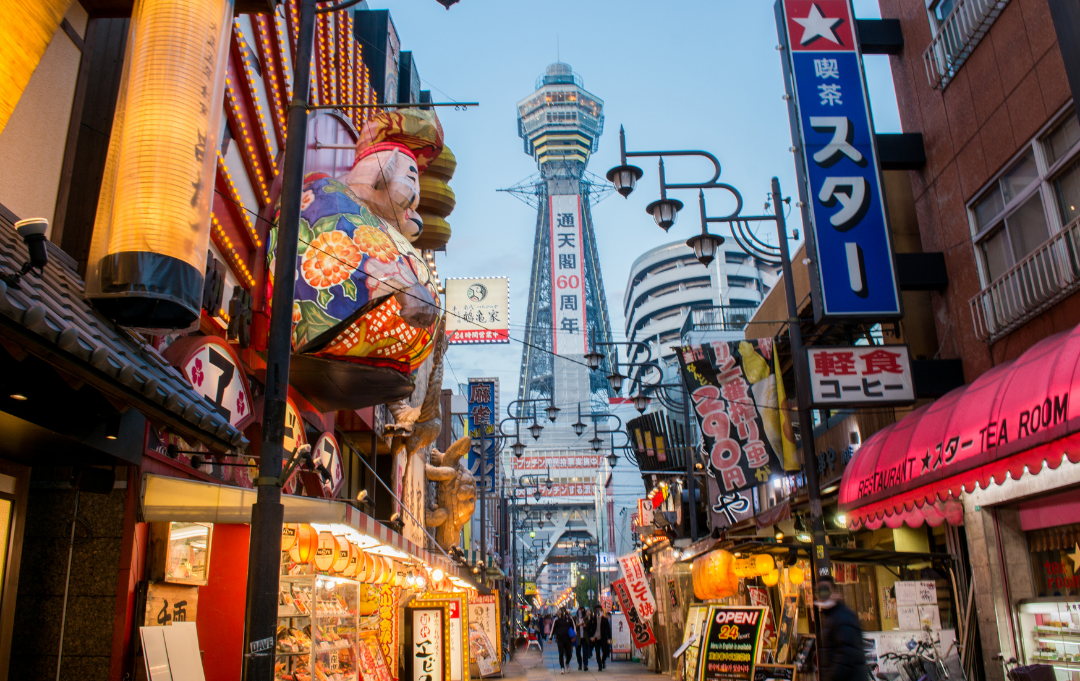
(957, 38)
(717, 318)
(1039, 281)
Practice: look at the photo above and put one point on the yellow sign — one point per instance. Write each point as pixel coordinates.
(530, 588)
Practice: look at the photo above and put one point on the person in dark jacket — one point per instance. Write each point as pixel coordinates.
(560, 631)
(588, 633)
(602, 638)
(841, 655)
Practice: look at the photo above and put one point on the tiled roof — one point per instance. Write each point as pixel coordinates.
(53, 309)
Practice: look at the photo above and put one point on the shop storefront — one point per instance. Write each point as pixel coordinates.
(353, 594)
(995, 462)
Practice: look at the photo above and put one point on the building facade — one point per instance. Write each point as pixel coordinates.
(667, 282)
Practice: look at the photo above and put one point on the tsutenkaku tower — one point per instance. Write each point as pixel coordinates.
(561, 125)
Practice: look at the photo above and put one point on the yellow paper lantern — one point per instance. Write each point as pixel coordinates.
(353, 562)
(341, 554)
(288, 535)
(148, 253)
(714, 576)
(307, 542)
(771, 578)
(326, 554)
(796, 575)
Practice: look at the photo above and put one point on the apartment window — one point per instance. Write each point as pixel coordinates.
(742, 282)
(940, 11)
(735, 258)
(1037, 195)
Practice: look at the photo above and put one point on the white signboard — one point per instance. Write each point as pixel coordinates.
(567, 275)
(427, 650)
(621, 641)
(859, 375)
(637, 584)
(478, 310)
(542, 463)
(455, 641)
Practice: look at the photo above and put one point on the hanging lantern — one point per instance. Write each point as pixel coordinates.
(363, 569)
(148, 254)
(341, 554)
(796, 575)
(753, 566)
(713, 575)
(307, 542)
(388, 570)
(374, 569)
(400, 575)
(771, 578)
(326, 554)
(288, 535)
(353, 563)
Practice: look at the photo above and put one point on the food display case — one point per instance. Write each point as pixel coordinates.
(318, 629)
(1051, 631)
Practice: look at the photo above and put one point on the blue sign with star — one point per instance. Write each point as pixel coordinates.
(849, 246)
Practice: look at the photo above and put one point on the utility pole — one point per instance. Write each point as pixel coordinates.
(267, 514)
(820, 555)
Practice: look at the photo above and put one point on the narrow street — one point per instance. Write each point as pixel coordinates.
(534, 666)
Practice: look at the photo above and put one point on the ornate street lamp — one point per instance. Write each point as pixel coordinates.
(641, 403)
(519, 448)
(552, 412)
(593, 359)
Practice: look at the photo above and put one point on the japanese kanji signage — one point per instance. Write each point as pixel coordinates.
(483, 413)
(733, 390)
(428, 656)
(849, 248)
(567, 275)
(560, 461)
(637, 584)
(168, 603)
(478, 310)
(562, 489)
(640, 630)
(730, 645)
(860, 375)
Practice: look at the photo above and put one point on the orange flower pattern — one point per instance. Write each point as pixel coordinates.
(330, 260)
(375, 243)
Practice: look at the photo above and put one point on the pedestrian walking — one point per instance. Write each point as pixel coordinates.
(840, 650)
(602, 638)
(588, 636)
(563, 632)
(579, 624)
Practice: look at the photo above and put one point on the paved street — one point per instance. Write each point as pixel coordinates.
(533, 667)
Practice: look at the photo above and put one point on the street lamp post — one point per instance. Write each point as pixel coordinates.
(625, 177)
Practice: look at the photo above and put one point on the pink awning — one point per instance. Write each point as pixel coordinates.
(1022, 414)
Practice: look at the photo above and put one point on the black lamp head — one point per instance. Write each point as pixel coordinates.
(665, 212)
(624, 178)
(705, 246)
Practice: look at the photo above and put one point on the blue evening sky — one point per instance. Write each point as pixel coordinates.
(685, 74)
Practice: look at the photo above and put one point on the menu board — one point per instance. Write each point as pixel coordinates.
(481, 651)
(775, 672)
(373, 665)
(621, 640)
(729, 649)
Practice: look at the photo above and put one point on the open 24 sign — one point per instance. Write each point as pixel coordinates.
(853, 275)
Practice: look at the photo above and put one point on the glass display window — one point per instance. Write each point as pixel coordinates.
(1055, 561)
(1050, 628)
(187, 557)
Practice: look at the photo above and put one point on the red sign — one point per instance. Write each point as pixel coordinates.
(561, 489)
(859, 375)
(640, 630)
(819, 25)
(329, 474)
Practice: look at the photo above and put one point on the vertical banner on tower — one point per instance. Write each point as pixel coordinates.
(483, 414)
(567, 275)
(852, 272)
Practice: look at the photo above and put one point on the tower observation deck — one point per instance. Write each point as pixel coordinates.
(561, 123)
